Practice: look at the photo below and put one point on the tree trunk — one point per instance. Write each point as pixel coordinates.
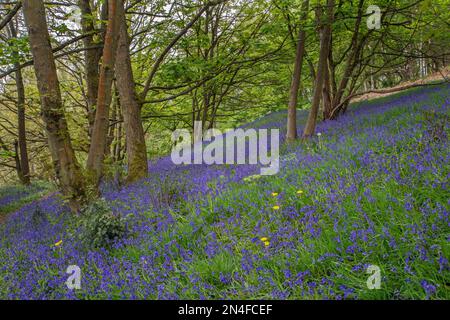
(100, 129)
(135, 138)
(66, 166)
(323, 56)
(296, 78)
(350, 65)
(327, 104)
(24, 163)
(295, 85)
(112, 125)
(16, 159)
(119, 134)
(92, 60)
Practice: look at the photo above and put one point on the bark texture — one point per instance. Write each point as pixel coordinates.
(135, 138)
(99, 138)
(65, 163)
(323, 56)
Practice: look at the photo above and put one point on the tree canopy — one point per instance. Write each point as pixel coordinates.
(127, 73)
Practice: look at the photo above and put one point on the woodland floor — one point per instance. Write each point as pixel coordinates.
(371, 189)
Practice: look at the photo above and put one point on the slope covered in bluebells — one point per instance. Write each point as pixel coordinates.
(370, 189)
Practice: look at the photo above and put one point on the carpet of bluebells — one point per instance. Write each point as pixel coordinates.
(369, 189)
(11, 197)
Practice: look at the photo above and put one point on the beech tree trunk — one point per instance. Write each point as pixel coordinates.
(323, 56)
(66, 166)
(295, 85)
(99, 138)
(135, 137)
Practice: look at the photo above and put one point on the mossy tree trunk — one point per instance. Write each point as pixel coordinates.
(131, 108)
(65, 163)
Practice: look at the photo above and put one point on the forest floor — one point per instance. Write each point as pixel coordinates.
(13, 197)
(371, 191)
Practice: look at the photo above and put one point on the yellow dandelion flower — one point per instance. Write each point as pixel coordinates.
(276, 207)
(267, 243)
(264, 239)
(58, 243)
(274, 194)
